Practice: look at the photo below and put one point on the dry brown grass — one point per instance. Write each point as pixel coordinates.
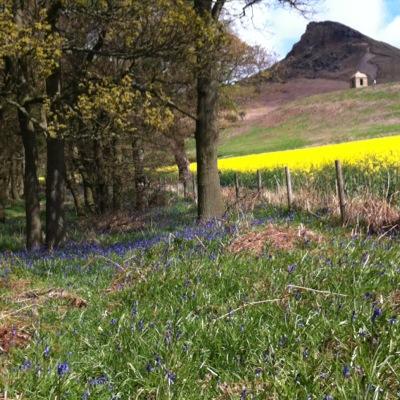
(364, 213)
(283, 238)
(14, 335)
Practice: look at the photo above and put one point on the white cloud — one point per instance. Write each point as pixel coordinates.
(278, 29)
(391, 33)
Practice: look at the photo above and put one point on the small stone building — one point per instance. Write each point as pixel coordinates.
(359, 80)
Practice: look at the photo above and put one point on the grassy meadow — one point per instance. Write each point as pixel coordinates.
(175, 311)
(335, 117)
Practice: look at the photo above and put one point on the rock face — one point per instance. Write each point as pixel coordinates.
(334, 51)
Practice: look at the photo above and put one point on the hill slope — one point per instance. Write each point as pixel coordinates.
(272, 123)
(331, 50)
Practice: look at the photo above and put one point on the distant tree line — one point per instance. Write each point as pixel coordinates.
(97, 94)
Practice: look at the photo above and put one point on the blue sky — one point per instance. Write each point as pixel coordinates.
(278, 29)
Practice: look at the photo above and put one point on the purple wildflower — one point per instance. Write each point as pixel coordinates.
(291, 268)
(101, 380)
(62, 369)
(46, 352)
(171, 377)
(346, 371)
(376, 313)
(27, 364)
(85, 395)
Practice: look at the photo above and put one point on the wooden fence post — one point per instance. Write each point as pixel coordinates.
(340, 188)
(289, 188)
(259, 181)
(237, 186)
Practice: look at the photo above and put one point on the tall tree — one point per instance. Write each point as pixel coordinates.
(210, 204)
(55, 171)
(28, 53)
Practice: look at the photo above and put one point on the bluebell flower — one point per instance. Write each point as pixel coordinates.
(62, 369)
(393, 320)
(27, 364)
(101, 380)
(140, 325)
(149, 367)
(306, 353)
(85, 395)
(376, 313)
(134, 309)
(243, 394)
(291, 268)
(346, 371)
(46, 352)
(171, 377)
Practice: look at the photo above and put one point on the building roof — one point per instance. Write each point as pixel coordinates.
(359, 74)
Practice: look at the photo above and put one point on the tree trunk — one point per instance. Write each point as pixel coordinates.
(55, 193)
(102, 194)
(73, 187)
(14, 179)
(88, 197)
(178, 148)
(55, 177)
(31, 184)
(117, 176)
(140, 177)
(3, 198)
(210, 203)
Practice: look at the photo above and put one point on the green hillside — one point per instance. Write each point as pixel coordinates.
(320, 119)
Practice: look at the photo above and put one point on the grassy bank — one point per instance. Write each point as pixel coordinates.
(334, 117)
(157, 315)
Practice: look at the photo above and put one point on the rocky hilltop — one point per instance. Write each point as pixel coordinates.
(330, 50)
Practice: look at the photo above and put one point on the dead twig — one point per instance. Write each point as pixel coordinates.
(316, 291)
(254, 303)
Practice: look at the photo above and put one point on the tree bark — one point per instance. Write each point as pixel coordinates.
(14, 179)
(102, 194)
(55, 177)
(88, 197)
(73, 187)
(117, 176)
(55, 193)
(140, 177)
(3, 198)
(178, 148)
(31, 184)
(210, 203)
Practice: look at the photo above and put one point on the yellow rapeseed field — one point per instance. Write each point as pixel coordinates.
(367, 153)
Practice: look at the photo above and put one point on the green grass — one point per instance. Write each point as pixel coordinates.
(172, 317)
(258, 140)
(322, 119)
